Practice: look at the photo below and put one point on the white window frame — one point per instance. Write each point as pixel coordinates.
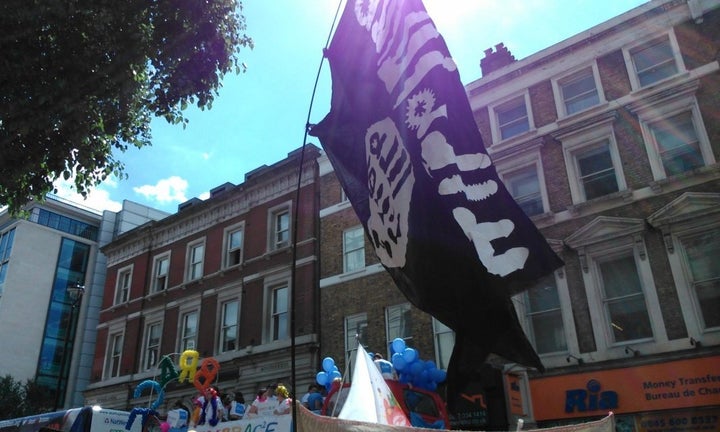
(271, 284)
(652, 113)
(360, 251)
(6, 244)
(273, 213)
(440, 332)
(123, 285)
(495, 126)
(223, 325)
(160, 281)
(583, 140)
(393, 313)
(113, 357)
(147, 348)
(603, 238)
(508, 167)
(351, 323)
(188, 341)
(690, 214)
(195, 267)
(559, 83)
(629, 51)
(228, 249)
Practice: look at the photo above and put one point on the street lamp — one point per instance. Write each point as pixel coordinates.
(75, 292)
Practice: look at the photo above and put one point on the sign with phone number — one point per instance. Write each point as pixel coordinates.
(680, 421)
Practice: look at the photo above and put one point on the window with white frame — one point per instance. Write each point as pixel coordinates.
(674, 133)
(654, 61)
(543, 315)
(592, 162)
(122, 285)
(398, 323)
(153, 331)
(444, 343)
(623, 298)
(113, 355)
(188, 331)
(160, 273)
(353, 249)
(524, 186)
(579, 91)
(355, 332)
(511, 118)
(234, 246)
(677, 144)
(701, 255)
(229, 326)
(279, 223)
(279, 317)
(195, 259)
(619, 285)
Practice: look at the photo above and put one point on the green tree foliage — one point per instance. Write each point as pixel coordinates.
(80, 81)
(23, 399)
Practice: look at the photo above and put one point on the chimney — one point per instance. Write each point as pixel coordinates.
(496, 60)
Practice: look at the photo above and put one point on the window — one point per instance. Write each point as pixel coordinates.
(279, 319)
(544, 317)
(578, 91)
(234, 248)
(674, 133)
(595, 170)
(353, 249)
(355, 332)
(702, 252)
(677, 144)
(189, 331)
(160, 274)
(279, 227)
(398, 323)
(654, 61)
(624, 300)
(196, 255)
(230, 325)
(592, 162)
(444, 343)
(122, 286)
(6, 244)
(114, 355)
(152, 345)
(524, 186)
(512, 118)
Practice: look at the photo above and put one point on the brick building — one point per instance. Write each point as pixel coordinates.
(216, 278)
(610, 142)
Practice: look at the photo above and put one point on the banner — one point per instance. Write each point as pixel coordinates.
(404, 144)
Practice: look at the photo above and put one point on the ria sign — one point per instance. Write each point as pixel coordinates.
(590, 398)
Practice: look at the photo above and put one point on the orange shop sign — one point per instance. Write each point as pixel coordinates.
(670, 385)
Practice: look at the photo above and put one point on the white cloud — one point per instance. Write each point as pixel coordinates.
(97, 199)
(171, 189)
(205, 195)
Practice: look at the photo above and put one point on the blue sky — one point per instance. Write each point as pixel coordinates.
(260, 116)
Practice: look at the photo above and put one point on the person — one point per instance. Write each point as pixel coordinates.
(284, 403)
(265, 402)
(211, 407)
(236, 410)
(304, 399)
(387, 370)
(315, 399)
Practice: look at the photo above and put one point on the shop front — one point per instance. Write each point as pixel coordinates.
(673, 396)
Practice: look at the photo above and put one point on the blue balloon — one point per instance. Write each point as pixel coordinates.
(398, 345)
(416, 368)
(429, 364)
(335, 375)
(322, 378)
(328, 364)
(410, 355)
(440, 375)
(399, 362)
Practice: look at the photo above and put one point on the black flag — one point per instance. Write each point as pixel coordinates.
(404, 144)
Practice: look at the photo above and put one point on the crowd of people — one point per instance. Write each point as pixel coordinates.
(214, 407)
